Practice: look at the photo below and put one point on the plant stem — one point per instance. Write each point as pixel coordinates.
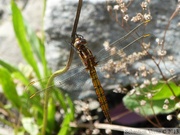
(46, 97)
(59, 72)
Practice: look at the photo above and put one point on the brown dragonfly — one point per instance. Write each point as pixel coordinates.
(90, 63)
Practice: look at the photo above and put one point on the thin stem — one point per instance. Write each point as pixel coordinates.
(61, 71)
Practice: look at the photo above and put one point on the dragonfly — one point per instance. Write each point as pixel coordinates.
(89, 61)
(87, 69)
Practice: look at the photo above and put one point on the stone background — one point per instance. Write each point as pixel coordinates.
(93, 23)
(96, 25)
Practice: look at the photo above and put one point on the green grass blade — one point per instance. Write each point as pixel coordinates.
(9, 87)
(9, 90)
(51, 115)
(37, 46)
(71, 106)
(8, 66)
(33, 40)
(25, 98)
(65, 128)
(13, 70)
(60, 98)
(21, 36)
(43, 58)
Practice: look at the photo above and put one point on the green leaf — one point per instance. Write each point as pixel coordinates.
(8, 66)
(151, 107)
(154, 105)
(165, 91)
(9, 88)
(71, 105)
(37, 46)
(51, 114)
(60, 97)
(13, 70)
(65, 128)
(21, 36)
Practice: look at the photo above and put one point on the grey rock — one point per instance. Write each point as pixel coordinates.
(97, 26)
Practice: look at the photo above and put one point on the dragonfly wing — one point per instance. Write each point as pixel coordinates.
(76, 82)
(128, 46)
(113, 67)
(130, 43)
(113, 81)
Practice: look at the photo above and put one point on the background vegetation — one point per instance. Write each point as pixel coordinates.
(26, 116)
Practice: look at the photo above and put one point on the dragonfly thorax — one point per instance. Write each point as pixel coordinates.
(85, 54)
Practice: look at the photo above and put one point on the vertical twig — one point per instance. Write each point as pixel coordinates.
(61, 71)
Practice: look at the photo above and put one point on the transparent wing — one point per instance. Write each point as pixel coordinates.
(77, 81)
(129, 44)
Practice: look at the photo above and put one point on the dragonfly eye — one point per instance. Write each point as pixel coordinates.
(79, 36)
(83, 41)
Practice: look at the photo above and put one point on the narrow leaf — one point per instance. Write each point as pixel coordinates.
(51, 114)
(37, 46)
(13, 70)
(65, 128)
(60, 97)
(21, 36)
(9, 87)
(71, 105)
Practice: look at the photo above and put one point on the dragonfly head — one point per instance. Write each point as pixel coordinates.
(79, 41)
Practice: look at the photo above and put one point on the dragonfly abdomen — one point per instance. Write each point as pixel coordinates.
(100, 93)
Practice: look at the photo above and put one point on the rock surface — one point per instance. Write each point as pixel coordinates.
(97, 26)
